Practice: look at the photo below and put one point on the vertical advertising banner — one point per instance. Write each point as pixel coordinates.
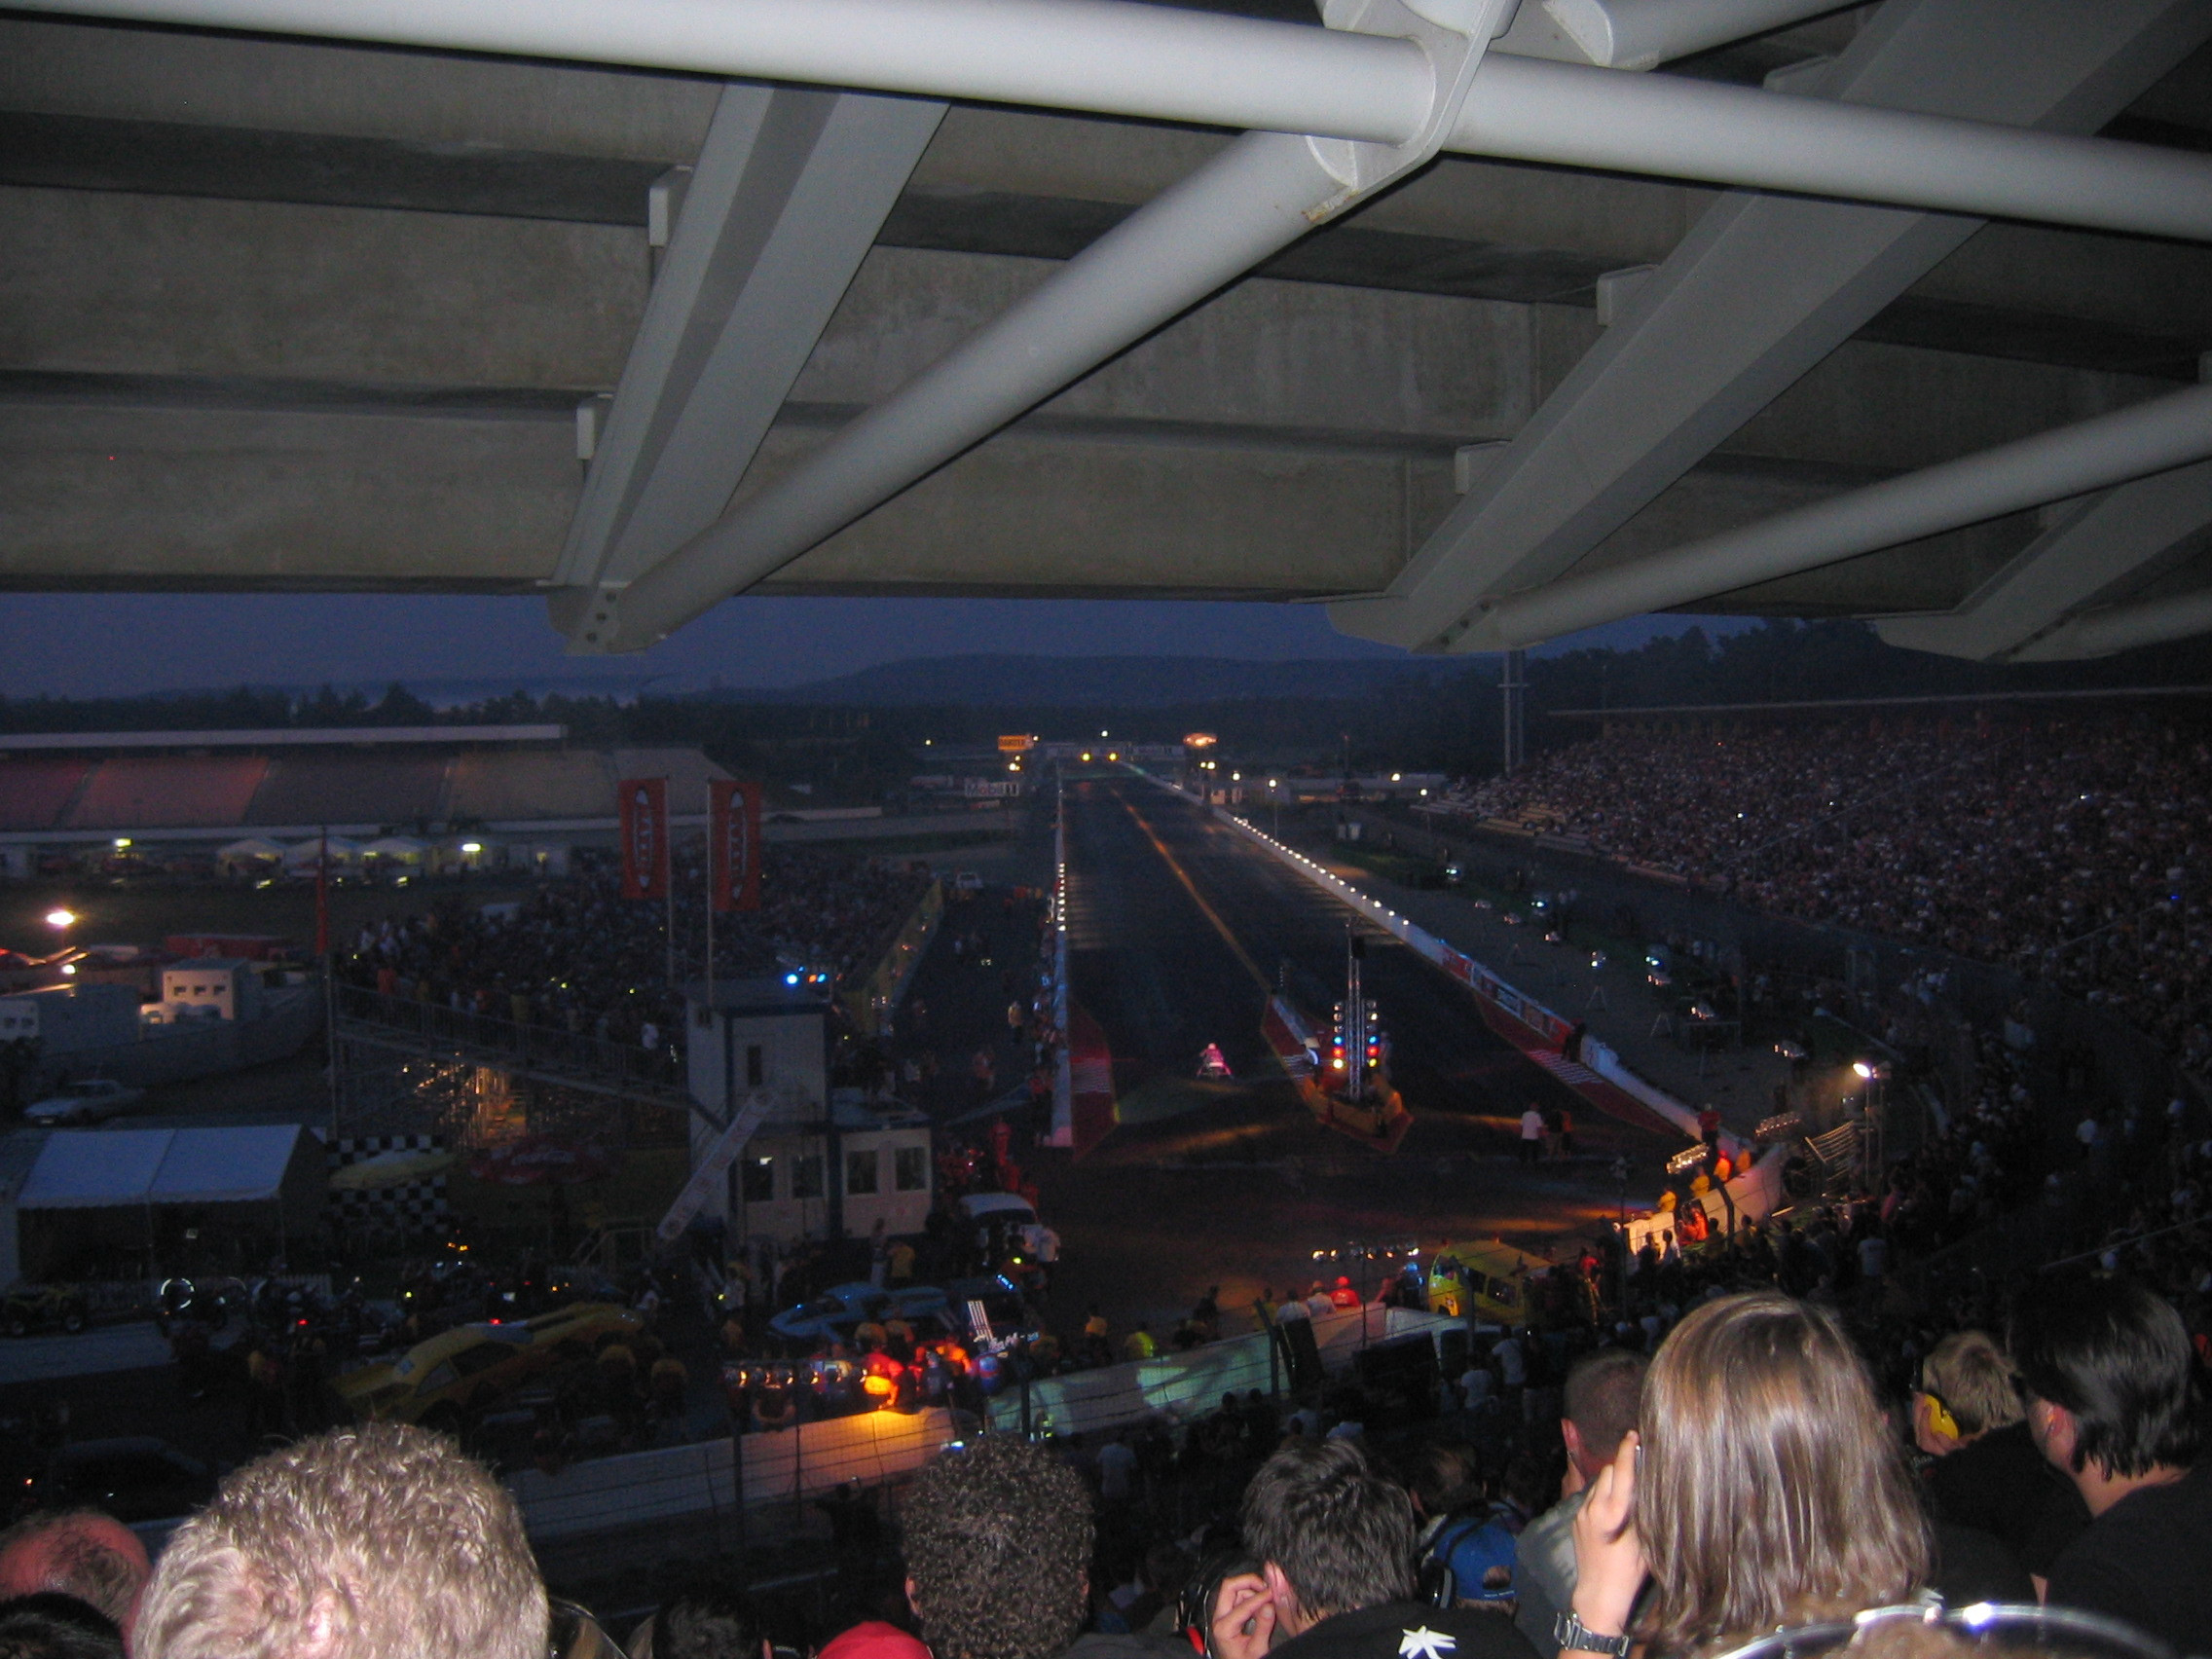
(733, 833)
(642, 806)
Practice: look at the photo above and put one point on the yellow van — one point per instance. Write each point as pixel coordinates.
(1486, 1281)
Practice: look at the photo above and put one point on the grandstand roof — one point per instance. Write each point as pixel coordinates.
(218, 797)
(166, 791)
(348, 788)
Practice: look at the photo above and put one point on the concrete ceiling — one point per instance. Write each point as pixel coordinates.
(291, 315)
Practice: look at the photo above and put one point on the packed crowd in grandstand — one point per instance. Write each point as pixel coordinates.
(576, 955)
(2066, 848)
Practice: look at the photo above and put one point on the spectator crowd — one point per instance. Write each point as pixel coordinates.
(577, 956)
(2069, 848)
(1761, 1461)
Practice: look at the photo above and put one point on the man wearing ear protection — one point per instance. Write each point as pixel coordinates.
(1965, 1414)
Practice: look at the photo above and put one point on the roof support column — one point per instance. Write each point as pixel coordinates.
(2094, 549)
(788, 192)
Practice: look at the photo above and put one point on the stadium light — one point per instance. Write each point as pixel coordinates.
(62, 918)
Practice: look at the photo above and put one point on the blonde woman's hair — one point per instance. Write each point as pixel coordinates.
(377, 1543)
(1770, 1492)
(1971, 1375)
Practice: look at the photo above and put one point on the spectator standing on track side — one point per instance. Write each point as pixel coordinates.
(1531, 1134)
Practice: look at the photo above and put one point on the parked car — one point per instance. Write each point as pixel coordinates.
(87, 1101)
(32, 1308)
(133, 1478)
(441, 1382)
(832, 1315)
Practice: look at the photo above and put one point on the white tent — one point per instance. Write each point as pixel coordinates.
(304, 854)
(106, 1168)
(252, 849)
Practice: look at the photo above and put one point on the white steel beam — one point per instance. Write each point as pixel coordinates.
(1570, 115)
(1115, 57)
(1262, 192)
(2096, 454)
(789, 192)
(1249, 202)
(1110, 57)
(1761, 289)
(1637, 34)
(2092, 548)
(2124, 628)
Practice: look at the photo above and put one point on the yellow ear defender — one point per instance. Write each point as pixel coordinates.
(1940, 1417)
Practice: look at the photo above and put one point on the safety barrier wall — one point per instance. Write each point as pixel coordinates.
(607, 1494)
(871, 1002)
(1185, 1385)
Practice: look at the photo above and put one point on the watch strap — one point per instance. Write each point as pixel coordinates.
(1572, 1633)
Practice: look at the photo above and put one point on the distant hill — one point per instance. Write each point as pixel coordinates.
(1123, 681)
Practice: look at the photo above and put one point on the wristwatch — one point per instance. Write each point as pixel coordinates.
(1572, 1633)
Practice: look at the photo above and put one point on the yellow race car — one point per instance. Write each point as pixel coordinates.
(459, 1372)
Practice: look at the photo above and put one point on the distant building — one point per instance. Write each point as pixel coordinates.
(69, 1020)
(212, 987)
(817, 1167)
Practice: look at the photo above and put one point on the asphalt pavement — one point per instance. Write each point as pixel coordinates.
(1178, 929)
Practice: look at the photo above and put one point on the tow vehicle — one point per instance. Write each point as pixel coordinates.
(1484, 1282)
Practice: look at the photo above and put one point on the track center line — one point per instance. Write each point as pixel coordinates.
(1219, 926)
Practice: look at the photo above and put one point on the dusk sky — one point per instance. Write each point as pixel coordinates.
(114, 645)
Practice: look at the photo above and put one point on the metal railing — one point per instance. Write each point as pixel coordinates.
(568, 1059)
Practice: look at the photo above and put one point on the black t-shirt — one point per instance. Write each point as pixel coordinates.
(2148, 1561)
(1413, 1630)
(1973, 1566)
(2002, 1486)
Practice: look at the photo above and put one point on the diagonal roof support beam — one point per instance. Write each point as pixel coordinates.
(1253, 198)
(1761, 289)
(2094, 548)
(788, 192)
(2096, 454)
(2124, 628)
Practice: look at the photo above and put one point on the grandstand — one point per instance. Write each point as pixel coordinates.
(188, 793)
(2061, 838)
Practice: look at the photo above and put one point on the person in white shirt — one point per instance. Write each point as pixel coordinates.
(1531, 1134)
(1511, 1364)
